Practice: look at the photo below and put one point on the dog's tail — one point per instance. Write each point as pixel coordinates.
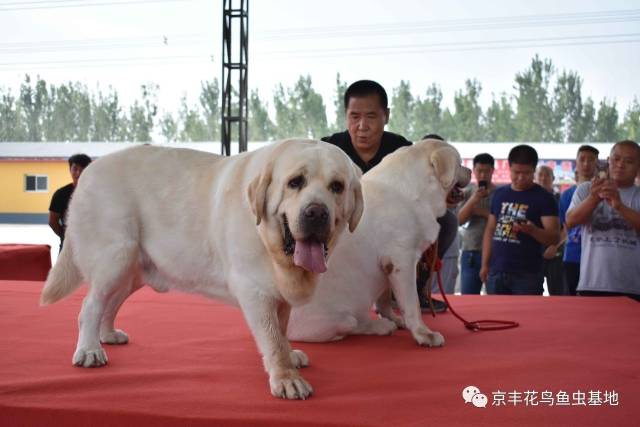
(63, 278)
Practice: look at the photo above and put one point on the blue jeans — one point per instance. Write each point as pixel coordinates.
(470, 263)
(515, 283)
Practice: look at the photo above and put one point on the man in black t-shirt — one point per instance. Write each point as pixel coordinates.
(366, 142)
(62, 196)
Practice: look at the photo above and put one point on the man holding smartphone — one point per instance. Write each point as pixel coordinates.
(608, 208)
(522, 222)
(474, 213)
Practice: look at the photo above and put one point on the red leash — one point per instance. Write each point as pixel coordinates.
(478, 325)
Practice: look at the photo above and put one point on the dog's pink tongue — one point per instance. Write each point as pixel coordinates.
(310, 256)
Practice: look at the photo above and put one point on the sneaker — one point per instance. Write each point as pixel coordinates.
(438, 306)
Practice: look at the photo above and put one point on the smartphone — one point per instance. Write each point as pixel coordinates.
(483, 184)
(603, 169)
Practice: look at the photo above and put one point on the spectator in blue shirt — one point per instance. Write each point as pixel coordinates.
(523, 220)
(586, 161)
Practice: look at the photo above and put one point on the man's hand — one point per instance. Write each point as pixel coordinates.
(550, 252)
(484, 273)
(479, 194)
(524, 227)
(609, 192)
(597, 185)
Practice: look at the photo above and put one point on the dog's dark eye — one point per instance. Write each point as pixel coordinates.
(336, 187)
(296, 182)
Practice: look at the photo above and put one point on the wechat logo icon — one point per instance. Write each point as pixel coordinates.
(471, 394)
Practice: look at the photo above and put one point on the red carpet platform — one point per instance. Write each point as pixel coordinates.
(192, 362)
(24, 261)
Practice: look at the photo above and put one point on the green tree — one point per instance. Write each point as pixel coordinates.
(567, 107)
(427, 114)
(33, 102)
(402, 105)
(11, 124)
(123, 133)
(142, 114)
(260, 126)
(499, 121)
(106, 116)
(310, 107)
(468, 113)
(587, 129)
(607, 122)
(56, 118)
(169, 128)
(210, 102)
(193, 126)
(534, 114)
(68, 114)
(630, 128)
(300, 111)
(287, 120)
(449, 126)
(338, 124)
(83, 114)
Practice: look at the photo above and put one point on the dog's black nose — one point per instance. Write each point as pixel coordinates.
(314, 220)
(316, 213)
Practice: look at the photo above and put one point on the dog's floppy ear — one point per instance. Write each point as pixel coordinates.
(257, 192)
(445, 162)
(357, 202)
(357, 206)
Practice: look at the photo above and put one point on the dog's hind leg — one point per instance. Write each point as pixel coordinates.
(106, 281)
(370, 326)
(108, 333)
(309, 324)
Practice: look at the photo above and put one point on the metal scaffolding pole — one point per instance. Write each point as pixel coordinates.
(235, 26)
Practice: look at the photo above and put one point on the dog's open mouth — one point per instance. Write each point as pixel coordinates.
(455, 195)
(309, 254)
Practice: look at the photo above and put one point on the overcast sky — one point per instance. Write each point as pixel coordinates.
(177, 44)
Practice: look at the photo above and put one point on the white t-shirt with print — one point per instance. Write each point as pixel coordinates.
(610, 260)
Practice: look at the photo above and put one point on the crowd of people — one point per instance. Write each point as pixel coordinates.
(584, 241)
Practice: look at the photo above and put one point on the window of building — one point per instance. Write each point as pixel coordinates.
(36, 183)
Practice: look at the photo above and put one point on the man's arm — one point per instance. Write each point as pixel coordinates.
(548, 234)
(471, 206)
(550, 251)
(581, 213)
(611, 195)
(487, 238)
(54, 223)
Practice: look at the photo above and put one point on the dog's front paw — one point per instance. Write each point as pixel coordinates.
(299, 359)
(290, 386)
(114, 337)
(429, 338)
(90, 358)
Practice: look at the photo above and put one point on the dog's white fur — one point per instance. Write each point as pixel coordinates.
(403, 196)
(184, 219)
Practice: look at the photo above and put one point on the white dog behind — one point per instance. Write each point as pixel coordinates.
(403, 196)
(184, 219)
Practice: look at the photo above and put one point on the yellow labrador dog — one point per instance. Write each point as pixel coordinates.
(403, 196)
(254, 230)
